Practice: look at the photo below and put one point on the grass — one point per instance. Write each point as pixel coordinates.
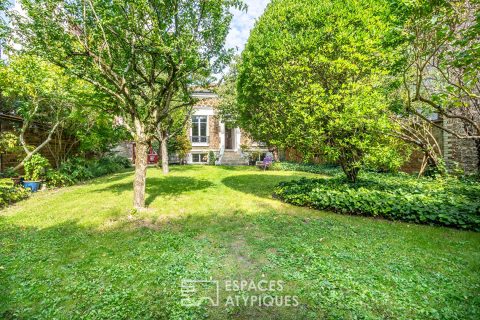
(78, 252)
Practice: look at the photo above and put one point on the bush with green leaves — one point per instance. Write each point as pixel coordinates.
(328, 169)
(212, 158)
(317, 76)
(56, 179)
(79, 169)
(36, 167)
(446, 202)
(9, 193)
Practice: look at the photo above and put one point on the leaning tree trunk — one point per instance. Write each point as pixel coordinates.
(139, 182)
(164, 155)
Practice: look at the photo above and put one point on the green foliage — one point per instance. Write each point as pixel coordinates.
(389, 157)
(142, 54)
(8, 142)
(180, 144)
(315, 76)
(10, 194)
(212, 158)
(227, 107)
(40, 91)
(78, 169)
(328, 169)
(81, 244)
(57, 179)
(95, 130)
(445, 202)
(8, 173)
(182, 44)
(4, 5)
(36, 167)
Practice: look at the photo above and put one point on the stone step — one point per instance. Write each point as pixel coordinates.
(233, 158)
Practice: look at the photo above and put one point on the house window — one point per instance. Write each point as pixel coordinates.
(199, 129)
(199, 157)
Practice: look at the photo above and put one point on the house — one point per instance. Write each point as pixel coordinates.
(207, 132)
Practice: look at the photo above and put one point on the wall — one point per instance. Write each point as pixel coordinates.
(34, 136)
(461, 151)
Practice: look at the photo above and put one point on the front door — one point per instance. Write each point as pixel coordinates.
(229, 136)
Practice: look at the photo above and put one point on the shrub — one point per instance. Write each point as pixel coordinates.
(211, 158)
(35, 167)
(79, 169)
(8, 173)
(10, 194)
(327, 169)
(58, 179)
(447, 202)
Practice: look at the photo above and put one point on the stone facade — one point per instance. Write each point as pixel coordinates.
(455, 152)
(464, 152)
(214, 132)
(225, 142)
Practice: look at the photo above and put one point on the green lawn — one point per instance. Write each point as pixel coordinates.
(80, 252)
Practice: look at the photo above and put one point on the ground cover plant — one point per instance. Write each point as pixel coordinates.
(80, 252)
(328, 169)
(447, 201)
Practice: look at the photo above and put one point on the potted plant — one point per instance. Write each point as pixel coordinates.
(35, 171)
(212, 158)
(254, 157)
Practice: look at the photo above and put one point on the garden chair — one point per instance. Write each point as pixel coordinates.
(267, 162)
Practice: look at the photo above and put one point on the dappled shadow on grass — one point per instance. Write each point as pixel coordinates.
(118, 273)
(261, 185)
(133, 270)
(165, 186)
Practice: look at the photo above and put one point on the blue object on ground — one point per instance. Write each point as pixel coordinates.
(32, 185)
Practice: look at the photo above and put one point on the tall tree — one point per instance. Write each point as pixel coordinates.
(171, 127)
(3, 22)
(314, 76)
(139, 52)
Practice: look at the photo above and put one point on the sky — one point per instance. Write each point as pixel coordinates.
(243, 22)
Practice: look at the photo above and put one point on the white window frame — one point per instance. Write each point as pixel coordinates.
(201, 144)
(199, 153)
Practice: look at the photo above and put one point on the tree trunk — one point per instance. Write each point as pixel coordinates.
(139, 182)
(275, 154)
(164, 151)
(350, 171)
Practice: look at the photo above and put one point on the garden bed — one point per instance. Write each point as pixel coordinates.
(446, 202)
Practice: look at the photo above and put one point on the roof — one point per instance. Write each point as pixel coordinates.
(10, 117)
(204, 94)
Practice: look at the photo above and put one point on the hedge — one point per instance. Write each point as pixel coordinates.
(446, 202)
